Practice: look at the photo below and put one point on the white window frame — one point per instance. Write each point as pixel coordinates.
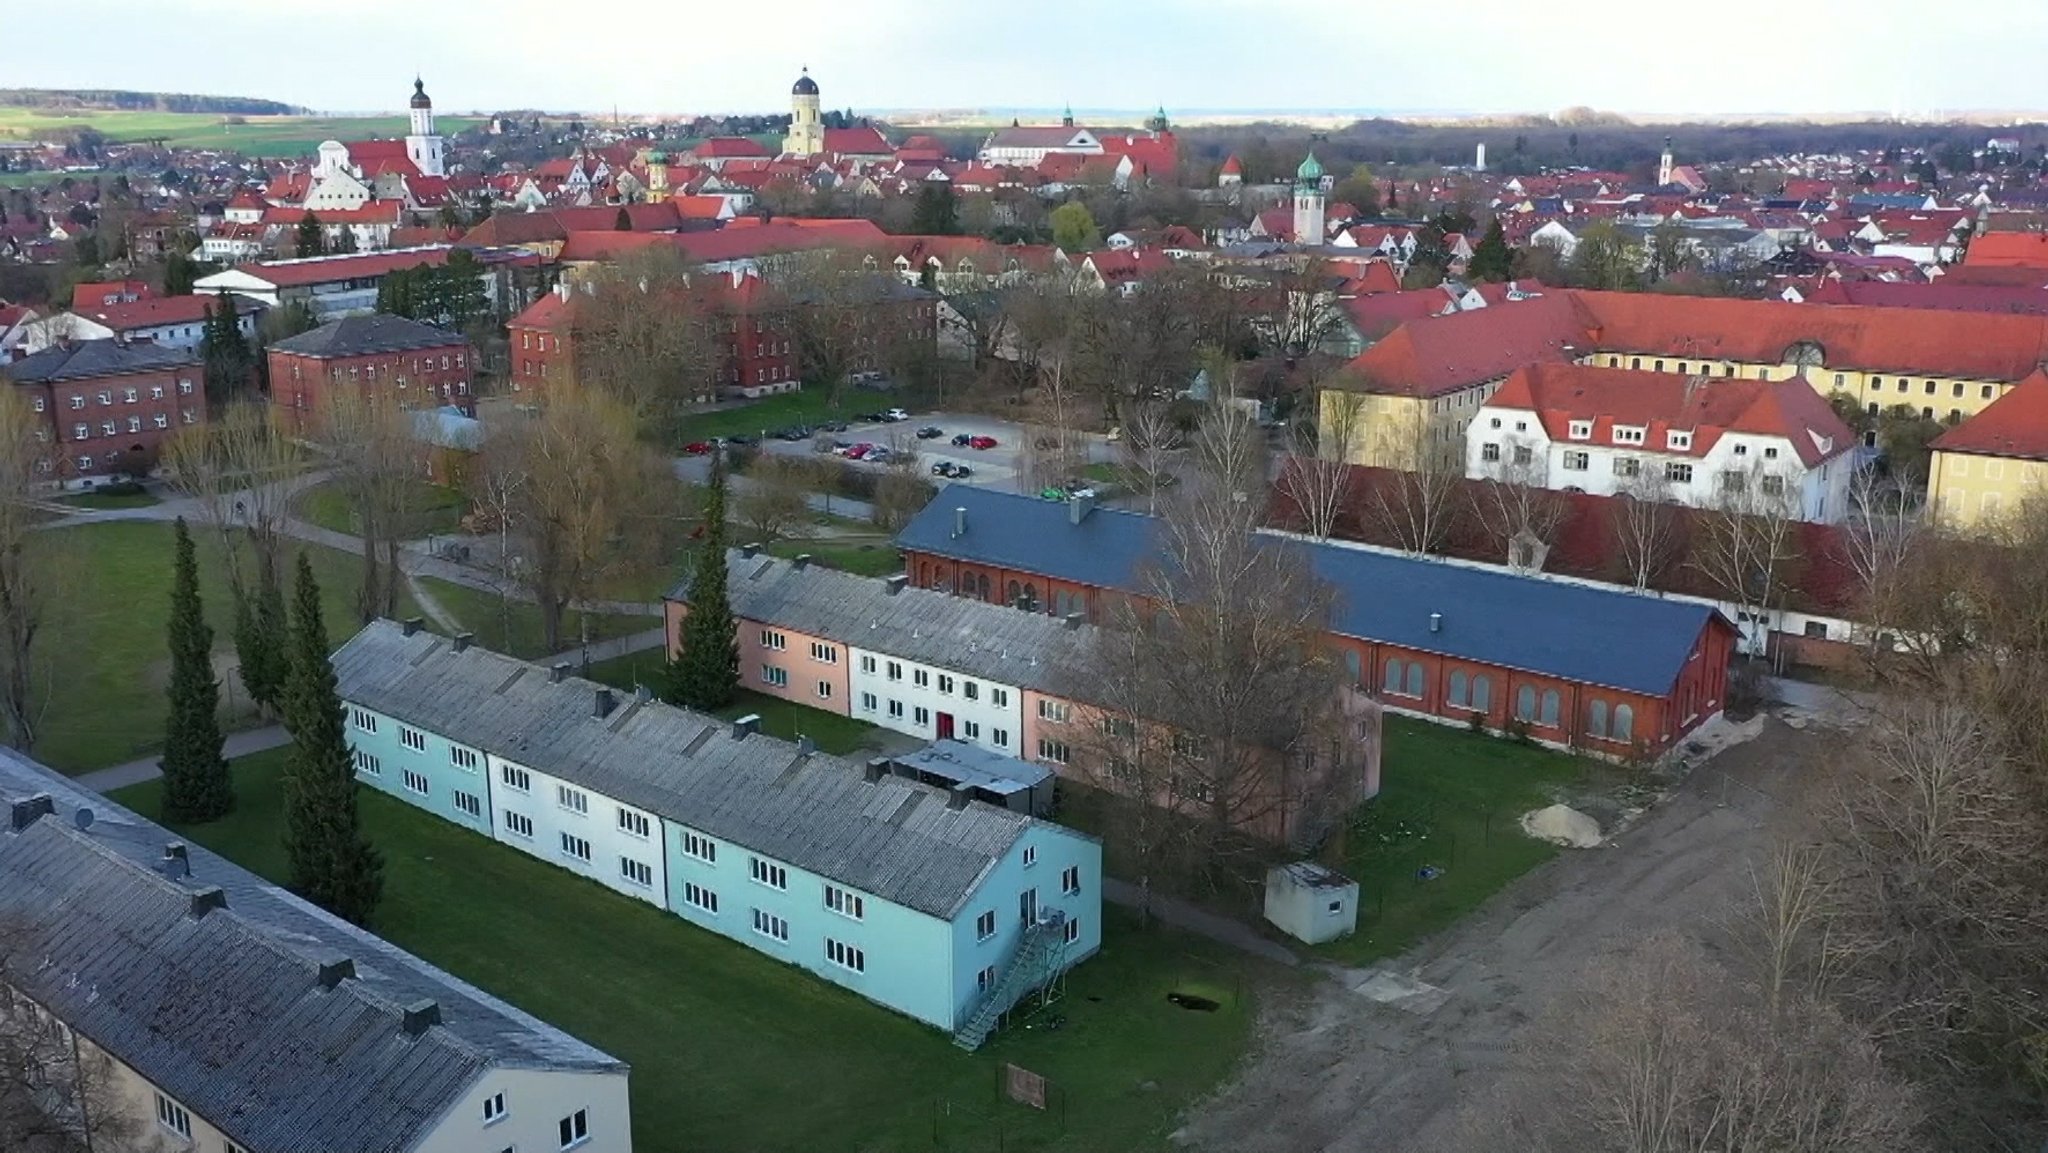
(412, 738)
(173, 1117)
(519, 825)
(846, 903)
(700, 898)
(417, 782)
(570, 799)
(494, 1108)
(571, 843)
(469, 803)
(574, 1129)
(848, 957)
(985, 925)
(769, 925)
(763, 871)
(701, 847)
(517, 779)
(636, 872)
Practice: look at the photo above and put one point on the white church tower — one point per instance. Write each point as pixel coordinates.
(806, 126)
(423, 144)
(1664, 165)
(1308, 202)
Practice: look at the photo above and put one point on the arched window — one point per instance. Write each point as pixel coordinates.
(1392, 683)
(1525, 703)
(1596, 719)
(1352, 666)
(1806, 354)
(981, 586)
(1016, 593)
(1482, 693)
(1415, 678)
(1548, 715)
(1031, 597)
(1461, 694)
(1624, 723)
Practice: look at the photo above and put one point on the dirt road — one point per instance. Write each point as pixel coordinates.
(1336, 1070)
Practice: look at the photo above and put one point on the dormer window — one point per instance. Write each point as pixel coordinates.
(1581, 430)
(1741, 450)
(1678, 441)
(1626, 435)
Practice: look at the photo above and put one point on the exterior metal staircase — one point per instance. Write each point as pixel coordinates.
(1033, 969)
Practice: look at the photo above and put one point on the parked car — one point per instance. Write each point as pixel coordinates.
(742, 439)
(794, 432)
(981, 442)
(894, 415)
(947, 468)
(870, 418)
(930, 432)
(859, 451)
(960, 440)
(697, 448)
(833, 426)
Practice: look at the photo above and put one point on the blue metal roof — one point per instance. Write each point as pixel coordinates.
(1571, 631)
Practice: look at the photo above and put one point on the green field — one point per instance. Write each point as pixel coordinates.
(436, 509)
(106, 647)
(733, 1051)
(483, 613)
(875, 559)
(255, 136)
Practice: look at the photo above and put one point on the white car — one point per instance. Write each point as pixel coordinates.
(894, 415)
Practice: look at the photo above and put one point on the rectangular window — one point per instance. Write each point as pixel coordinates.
(575, 1128)
(1580, 430)
(412, 738)
(1073, 930)
(945, 684)
(896, 710)
(77, 402)
(921, 716)
(465, 759)
(1054, 711)
(1489, 451)
(1678, 441)
(494, 1108)
(828, 654)
(985, 980)
(922, 678)
(971, 730)
(1000, 698)
(1678, 473)
(365, 763)
(771, 926)
(576, 847)
(634, 824)
(970, 689)
(774, 676)
(1070, 880)
(415, 782)
(867, 664)
(868, 702)
(1577, 460)
(895, 671)
(518, 780)
(768, 873)
(637, 872)
(469, 803)
(574, 800)
(845, 903)
(1030, 855)
(1628, 435)
(518, 825)
(172, 1116)
(128, 395)
(80, 432)
(770, 639)
(846, 956)
(1627, 466)
(985, 925)
(703, 848)
(161, 420)
(701, 897)
(1000, 737)
(1052, 751)
(824, 690)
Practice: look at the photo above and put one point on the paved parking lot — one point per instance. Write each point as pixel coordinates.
(994, 467)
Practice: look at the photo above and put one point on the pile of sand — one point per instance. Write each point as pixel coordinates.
(1562, 825)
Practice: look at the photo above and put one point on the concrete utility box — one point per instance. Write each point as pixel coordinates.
(1310, 903)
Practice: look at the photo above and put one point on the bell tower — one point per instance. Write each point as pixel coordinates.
(423, 144)
(806, 124)
(1308, 202)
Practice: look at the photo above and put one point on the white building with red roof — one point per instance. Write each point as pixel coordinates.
(1696, 440)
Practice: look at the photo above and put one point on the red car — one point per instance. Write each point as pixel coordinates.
(981, 442)
(697, 448)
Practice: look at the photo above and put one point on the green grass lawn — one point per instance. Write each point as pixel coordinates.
(1450, 800)
(106, 647)
(110, 500)
(255, 136)
(437, 509)
(483, 613)
(804, 406)
(733, 1051)
(779, 718)
(877, 558)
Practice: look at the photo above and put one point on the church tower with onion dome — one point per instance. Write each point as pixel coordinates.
(806, 123)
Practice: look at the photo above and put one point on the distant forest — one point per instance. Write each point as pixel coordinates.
(109, 99)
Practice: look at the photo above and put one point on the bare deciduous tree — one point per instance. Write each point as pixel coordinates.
(1316, 479)
(644, 334)
(1885, 536)
(1516, 505)
(771, 501)
(1415, 506)
(238, 468)
(379, 463)
(1644, 527)
(1149, 448)
(1743, 544)
(29, 573)
(57, 1093)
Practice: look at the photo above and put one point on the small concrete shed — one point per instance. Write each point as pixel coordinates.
(1311, 903)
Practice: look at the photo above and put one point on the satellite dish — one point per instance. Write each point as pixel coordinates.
(82, 818)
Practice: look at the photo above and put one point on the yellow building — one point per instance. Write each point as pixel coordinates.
(806, 121)
(1990, 464)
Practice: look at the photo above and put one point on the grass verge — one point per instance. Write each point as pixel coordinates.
(437, 509)
(485, 614)
(731, 1050)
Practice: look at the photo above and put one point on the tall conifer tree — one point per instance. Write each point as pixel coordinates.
(196, 782)
(332, 864)
(705, 674)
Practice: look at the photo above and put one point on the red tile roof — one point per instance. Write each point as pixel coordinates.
(1661, 402)
(326, 269)
(99, 293)
(728, 147)
(857, 142)
(2014, 425)
(2009, 250)
(156, 312)
(2029, 299)
(1439, 354)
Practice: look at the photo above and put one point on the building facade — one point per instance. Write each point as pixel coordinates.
(1986, 470)
(806, 124)
(387, 359)
(923, 900)
(104, 408)
(118, 928)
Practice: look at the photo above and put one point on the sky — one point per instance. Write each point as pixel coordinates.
(1732, 57)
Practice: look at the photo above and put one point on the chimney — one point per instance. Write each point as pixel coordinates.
(334, 971)
(175, 863)
(805, 746)
(464, 640)
(420, 1016)
(1073, 620)
(897, 583)
(1078, 509)
(749, 551)
(25, 813)
(603, 705)
(875, 770)
(746, 726)
(206, 900)
(412, 625)
(958, 797)
(959, 522)
(1436, 622)
(556, 673)
(802, 561)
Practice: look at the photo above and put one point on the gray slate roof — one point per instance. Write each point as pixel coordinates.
(224, 1011)
(89, 359)
(364, 335)
(1595, 636)
(895, 839)
(995, 642)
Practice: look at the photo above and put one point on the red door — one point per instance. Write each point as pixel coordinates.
(945, 726)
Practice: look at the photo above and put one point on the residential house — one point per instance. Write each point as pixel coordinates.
(172, 321)
(233, 1016)
(388, 359)
(104, 408)
(346, 285)
(1987, 468)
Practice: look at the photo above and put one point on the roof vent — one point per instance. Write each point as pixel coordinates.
(420, 1016)
(27, 812)
(746, 726)
(958, 797)
(1436, 622)
(557, 674)
(875, 770)
(174, 863)
(334, 971)
(805, 746)
(412, 625)
(960, 522)
(1074, 620)
(1078, 509)
(749, 551)
(464, 640)
(207, 900)
(802, 561)
(642, 694)
(603, 704)
(896, 584)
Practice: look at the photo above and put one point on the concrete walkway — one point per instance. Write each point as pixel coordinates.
(606, 650)
(1200, 922)
(135, 772)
